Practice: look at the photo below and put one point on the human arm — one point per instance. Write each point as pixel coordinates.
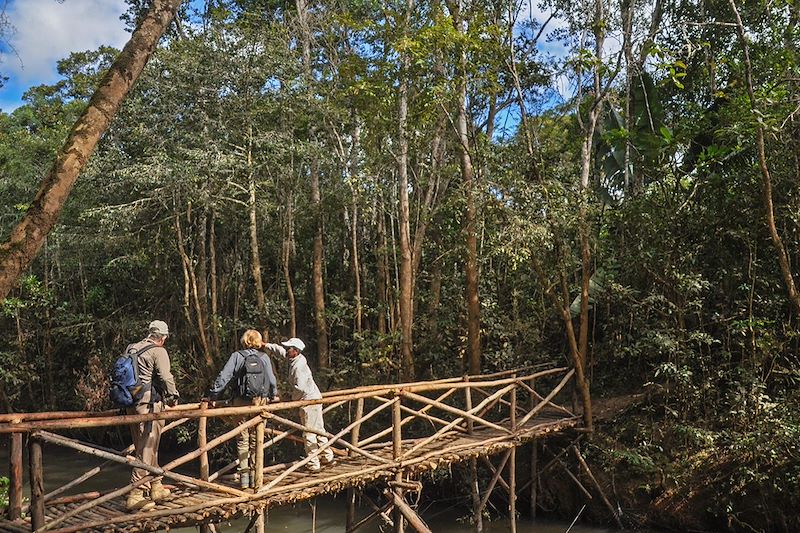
(275, 349)
(162, 368)
(225, 376)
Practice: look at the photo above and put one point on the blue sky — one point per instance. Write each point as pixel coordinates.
(48, 30)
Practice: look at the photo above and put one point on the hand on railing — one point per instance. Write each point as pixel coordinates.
(275, 398)
(171, 401)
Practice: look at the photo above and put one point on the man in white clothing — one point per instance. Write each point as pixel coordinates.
(304, 388)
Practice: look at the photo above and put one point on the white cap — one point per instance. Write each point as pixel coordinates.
(294, 342)
(159, 327)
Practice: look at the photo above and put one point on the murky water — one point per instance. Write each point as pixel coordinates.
(327, 515)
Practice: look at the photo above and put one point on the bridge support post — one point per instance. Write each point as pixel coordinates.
(534, 476)
(258, 481)
(397, 452)
(15, 475)
(354, 438)
(202, 440)
(477, 510)
(37, 482)
(512, 467)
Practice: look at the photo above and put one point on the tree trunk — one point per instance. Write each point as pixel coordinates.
(27, 237)
(354, 259)
(473, 351)
(766, 178)
(406, 271)
(288, 237)
(255, 255)
(320, 321)
(382, 260)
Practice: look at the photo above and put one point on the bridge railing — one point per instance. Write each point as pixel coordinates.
(430, 422)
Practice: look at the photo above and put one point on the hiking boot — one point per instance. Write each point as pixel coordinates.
(244, 479)
(137, 502)
(158, 492)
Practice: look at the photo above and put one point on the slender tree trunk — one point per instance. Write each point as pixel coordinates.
(473, 351)
(766, 178)
(320, 321)
(354, 256)
(193, 296)
(323, 357)
(382, 260)
(255, 255)
(406, 271)
(17, 253)
(214, 292)
(288, 238)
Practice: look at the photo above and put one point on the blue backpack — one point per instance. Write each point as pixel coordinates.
(126, 387)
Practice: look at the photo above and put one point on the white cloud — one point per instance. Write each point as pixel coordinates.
(48, 30)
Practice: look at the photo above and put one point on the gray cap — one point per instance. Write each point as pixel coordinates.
(159, 327)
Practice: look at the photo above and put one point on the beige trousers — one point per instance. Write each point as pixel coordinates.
(146, 437)
(246, 440)
(311, 416)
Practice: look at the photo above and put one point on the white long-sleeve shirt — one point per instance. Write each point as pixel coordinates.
(303, 385)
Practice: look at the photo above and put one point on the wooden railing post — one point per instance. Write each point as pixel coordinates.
(202, 440)
(258, 481)
(397, 452)
(477, 513)
(15, 477)
(37, 482)
(512, 467)
(513, 406)
(354, 438)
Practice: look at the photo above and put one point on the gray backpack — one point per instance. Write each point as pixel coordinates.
(254, 375)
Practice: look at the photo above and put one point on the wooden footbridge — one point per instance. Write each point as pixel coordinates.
(389, 436)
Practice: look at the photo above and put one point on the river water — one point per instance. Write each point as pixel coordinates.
(327, 515)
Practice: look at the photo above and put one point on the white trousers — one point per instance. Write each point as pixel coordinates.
(311, 416)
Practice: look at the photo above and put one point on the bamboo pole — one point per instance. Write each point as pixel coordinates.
(534, 475)
(536, 395)
(408, 513)
(37, 482)
(96, 470)
(547, 399)
(351, 492)
(457, 421)
(130, 461)
(512, 493)
(318, 451)
(466, 414)
(346, 444)
(497, 473)
(259, 472)
(397, 453)
(405, 420)
(15, 477)
(193, 410)
(202, 440)
(597, 486)
(500, 479)
(370, 517)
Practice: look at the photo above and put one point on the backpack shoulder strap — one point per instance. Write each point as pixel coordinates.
(135, 358)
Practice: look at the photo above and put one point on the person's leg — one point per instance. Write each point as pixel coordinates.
(310, 439)
(242, 445)
(316, 422)
(140, 433)
(150, 454)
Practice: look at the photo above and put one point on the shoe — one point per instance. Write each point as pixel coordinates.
(312, 467)
(158, 492)
(244, 479)
(137, 502)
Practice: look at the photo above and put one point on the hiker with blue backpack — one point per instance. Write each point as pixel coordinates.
(249, 376)
(143, 383)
